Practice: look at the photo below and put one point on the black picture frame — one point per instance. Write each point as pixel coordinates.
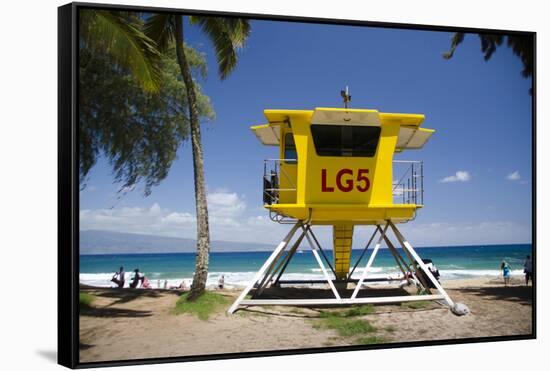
(68, 184)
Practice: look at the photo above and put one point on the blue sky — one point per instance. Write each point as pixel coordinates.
(481, 112)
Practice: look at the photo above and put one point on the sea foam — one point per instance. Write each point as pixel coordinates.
(242, 279)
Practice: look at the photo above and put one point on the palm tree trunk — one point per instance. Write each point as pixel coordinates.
(203, 235)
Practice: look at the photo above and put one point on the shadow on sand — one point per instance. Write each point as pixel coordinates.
(518, 294)
(113, 312)
(317, 293)
(119, 296)
(125, 295)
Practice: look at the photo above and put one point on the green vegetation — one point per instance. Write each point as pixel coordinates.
(86, 299)
(360, 330)
(415, 304)
(344, 326)
(137, 131)
(422, 291)
(203, 306)
(360, 310)
(368, 340)
(120, 35)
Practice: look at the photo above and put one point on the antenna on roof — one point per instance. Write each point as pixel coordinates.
(346, 96)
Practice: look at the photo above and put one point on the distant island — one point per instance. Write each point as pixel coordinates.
(93, 242)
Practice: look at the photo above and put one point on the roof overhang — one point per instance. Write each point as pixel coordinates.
(268, 134)
(412, 138)
(411, 135)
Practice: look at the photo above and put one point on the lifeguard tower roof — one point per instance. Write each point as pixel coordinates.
(411, 135)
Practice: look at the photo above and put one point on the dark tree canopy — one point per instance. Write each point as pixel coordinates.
(137, 131)
(522, 46)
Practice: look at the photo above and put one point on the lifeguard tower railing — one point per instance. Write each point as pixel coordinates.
(273, 172)
(407, 187)
(408, 184)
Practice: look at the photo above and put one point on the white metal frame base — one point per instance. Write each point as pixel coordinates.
(274, 265)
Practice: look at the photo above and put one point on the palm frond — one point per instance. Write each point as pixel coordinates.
(161, 29)
(489, 44)
(228, 35)
(456, 40)
(522, 46)
(121, 36)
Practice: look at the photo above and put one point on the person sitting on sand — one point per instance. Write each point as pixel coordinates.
(136, 279)
(145, 283)
(506, 270)
(221, 282)
(182, 286)
(528, 269)
(118, 278)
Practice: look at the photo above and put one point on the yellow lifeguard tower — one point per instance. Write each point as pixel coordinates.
(335, 167)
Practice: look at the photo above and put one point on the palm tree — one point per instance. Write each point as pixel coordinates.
(228, 35)
(522, 46)
(121, 35)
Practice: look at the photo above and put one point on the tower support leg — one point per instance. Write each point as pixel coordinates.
(275, 265)
(283, 263)
(406, 245)
(364, 251)
(320, 262)
(369, 263)
(266, 265)
(397, 257)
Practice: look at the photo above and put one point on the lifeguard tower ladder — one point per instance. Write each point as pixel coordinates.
(336, 168)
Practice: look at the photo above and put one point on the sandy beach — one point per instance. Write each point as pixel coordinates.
(133, 324)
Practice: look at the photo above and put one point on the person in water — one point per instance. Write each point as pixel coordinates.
(506, 270)
(528, 270)
(221, 282)
(118, 278)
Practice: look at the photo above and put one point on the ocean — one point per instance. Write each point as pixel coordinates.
(238, 268)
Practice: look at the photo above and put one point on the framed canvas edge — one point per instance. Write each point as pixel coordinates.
(67, 192)
(68, 186)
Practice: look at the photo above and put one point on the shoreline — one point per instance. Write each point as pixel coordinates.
(139, 323)
(158, 283)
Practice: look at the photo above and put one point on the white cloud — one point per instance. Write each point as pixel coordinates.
(514, 176)
(226, 216)
(459, 176)
(225, 208)
(148, 220)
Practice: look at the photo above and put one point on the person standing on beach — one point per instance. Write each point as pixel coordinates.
(221, 282)
(506, 270)
(528, 269)
(138, 278)
(118, 278)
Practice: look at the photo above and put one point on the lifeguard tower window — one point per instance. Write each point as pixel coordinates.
(290, 149)
(345, 140)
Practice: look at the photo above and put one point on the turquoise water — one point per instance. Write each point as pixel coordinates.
(239, 267)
